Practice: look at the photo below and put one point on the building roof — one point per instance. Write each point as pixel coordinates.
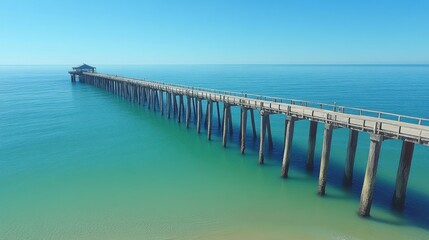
(84, 66)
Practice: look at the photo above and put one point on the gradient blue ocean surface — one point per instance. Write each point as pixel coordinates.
(77, 162)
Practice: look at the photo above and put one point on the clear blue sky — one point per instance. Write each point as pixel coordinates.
(223, 31)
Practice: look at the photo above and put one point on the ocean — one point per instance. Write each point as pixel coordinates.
(77, 162)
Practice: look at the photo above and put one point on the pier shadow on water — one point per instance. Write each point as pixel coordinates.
(416, 209)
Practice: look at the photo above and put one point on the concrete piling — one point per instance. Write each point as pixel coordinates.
(241, 122)
(404, 167)
(174, 105)
(147, 94)
(230, 120)
(225, 124)
(199, 115)
(168, 98)
(270, 136)
(370, 174)
(206, 119)
(180, 110)
(150, 97)
(243, 129)
(264, 118)
(324, 162)
(311, 145)
(194, 104)
(188, 110)
(288, 145)
(350, 157)
(218, 115)
(161, 102)
(154, 95)
(209, 121)
(252, 119)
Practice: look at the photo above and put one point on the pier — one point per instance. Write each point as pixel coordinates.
(183, 102)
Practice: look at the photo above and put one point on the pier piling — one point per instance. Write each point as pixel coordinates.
(188, 110)
(402, 175)
(350, 157)
(206, 119)
(311, 145)
(370, 174)
(243, 129)
(264, 118)
(161, 102)
(168, 105)
(270, 136)
(174, 106)
(195, 107)
(252, 119)
(209, 121)
(225, 124)
(149, 91)
(324, 162)
(230, 120)
(218, 115)
(180, 110)
(288, 145)
(199, 115)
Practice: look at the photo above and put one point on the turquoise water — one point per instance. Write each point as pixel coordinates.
(79, 163)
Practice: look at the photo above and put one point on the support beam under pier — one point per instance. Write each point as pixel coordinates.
(195, 107)
(270, 136)
(311, 145)
(206, 119)
(218, 115)
(252, 119)
(209, 119)
(243, 129)
(226, 116)
(264, 118)
(150, 97)
(161, 102)
(290, 124)
(155, 99)
(350, 157)
(370, 174)
(168, 98)
(188, 110)
(180, 110)
(402, 175)
(174, 105)
(199, 115)
(324, 162)
(230, 120)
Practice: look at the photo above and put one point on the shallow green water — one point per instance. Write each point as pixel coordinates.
(79, 163)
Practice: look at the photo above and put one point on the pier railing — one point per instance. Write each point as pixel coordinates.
(304, 103)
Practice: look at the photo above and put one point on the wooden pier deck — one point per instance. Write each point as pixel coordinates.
(380, 125)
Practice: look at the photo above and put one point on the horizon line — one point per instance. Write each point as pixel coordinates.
(139, 64)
